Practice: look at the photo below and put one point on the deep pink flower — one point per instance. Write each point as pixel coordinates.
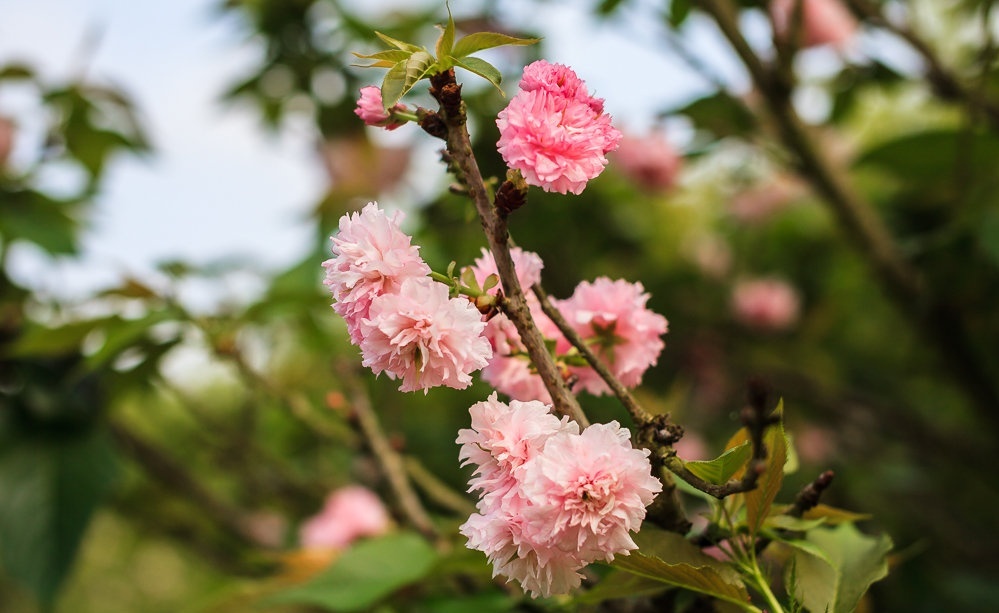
(372, 112)
(371, 257)
(349, 513)
(650, 161)
(419, 335)
(612, 315)
(822, 21)
(554, 132)
(765, 304)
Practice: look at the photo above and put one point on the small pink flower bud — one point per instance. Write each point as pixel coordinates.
(372, 112)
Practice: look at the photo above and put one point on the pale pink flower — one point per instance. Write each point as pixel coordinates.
(765, 304)
(371, 257)
(372, 112)
(650, 161)
(509, 370)
(555, 133)
(822, 21)
(526, 264)
(421, 336)
(761, 202)
(350, 513)
(552, 499)
(589, 491)
(502, 438)
(612, 315)
(692, 447)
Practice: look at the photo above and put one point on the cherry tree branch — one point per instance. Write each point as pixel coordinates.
(390, 462)
(447, 92)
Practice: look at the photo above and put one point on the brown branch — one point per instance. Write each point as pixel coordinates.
(944, 83)
(640, 416)
(388, 459)
(809, 495)
(447, 92)
(175, 478)
(940, 325)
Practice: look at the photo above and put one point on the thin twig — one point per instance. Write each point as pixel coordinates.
(638, 414)
(436, 490)
(388, 459)
(459, 146)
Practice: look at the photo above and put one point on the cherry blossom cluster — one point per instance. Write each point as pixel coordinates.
(554, 132)
(552, 499)
(405, 323)
(610, 316)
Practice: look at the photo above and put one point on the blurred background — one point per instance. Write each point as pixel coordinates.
(818, 207)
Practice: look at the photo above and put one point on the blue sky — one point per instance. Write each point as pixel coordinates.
(217, 184)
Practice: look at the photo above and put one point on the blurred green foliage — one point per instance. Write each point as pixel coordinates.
(193, 444)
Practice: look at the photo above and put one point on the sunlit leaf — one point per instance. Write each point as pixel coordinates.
(487, 40)
(721, 469)
(394, 84)
(482, 68)
(398, 44)
(835, 567)
(366, 573)
(759, 500)
(446, 41)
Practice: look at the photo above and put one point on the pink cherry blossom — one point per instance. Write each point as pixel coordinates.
(589, 491)
(419, 335)
(502, 438)
(765, 304)
(371, 257)
(349, 513)
(823, 22)
(612, 315)
(526, 264)
(551, 499)
(650, 161)
(371, 110)
(554, 132)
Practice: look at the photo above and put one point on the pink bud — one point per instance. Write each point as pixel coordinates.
(765, 304)
(823, 22)
(6, 139)
(349, 513)
(371, 110)
(650, 161)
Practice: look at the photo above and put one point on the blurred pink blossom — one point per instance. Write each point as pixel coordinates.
(7, 130)
(554, 132)
(371, 257)
(552, 499)
(612, 315)
(765, 303)
(372, 112)
(420, 335)
(650, 161)
(814, 444)
(692, 447)
(823, 22)
(350, 513)
(761, 202)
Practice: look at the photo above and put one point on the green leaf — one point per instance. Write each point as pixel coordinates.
(678, 12)
(482, 68)
(720, 114)
(386, 58)
(394, 84)
(417, 67)
(934, 158)
(398, 44)
(721, 469)
(51, 488)
(366, 573)
(759, 500)
(835, 567)
(446, 41)
(34, 217)
(671, 559)
(620, 584)
(486, 40)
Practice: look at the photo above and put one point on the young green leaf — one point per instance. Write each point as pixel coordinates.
(487, 40)
(721, 469)
(759, 500)
(482, 68)
(419, 65)
(383, 59)
(394, 85)
(446, 40)
(398, 44)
